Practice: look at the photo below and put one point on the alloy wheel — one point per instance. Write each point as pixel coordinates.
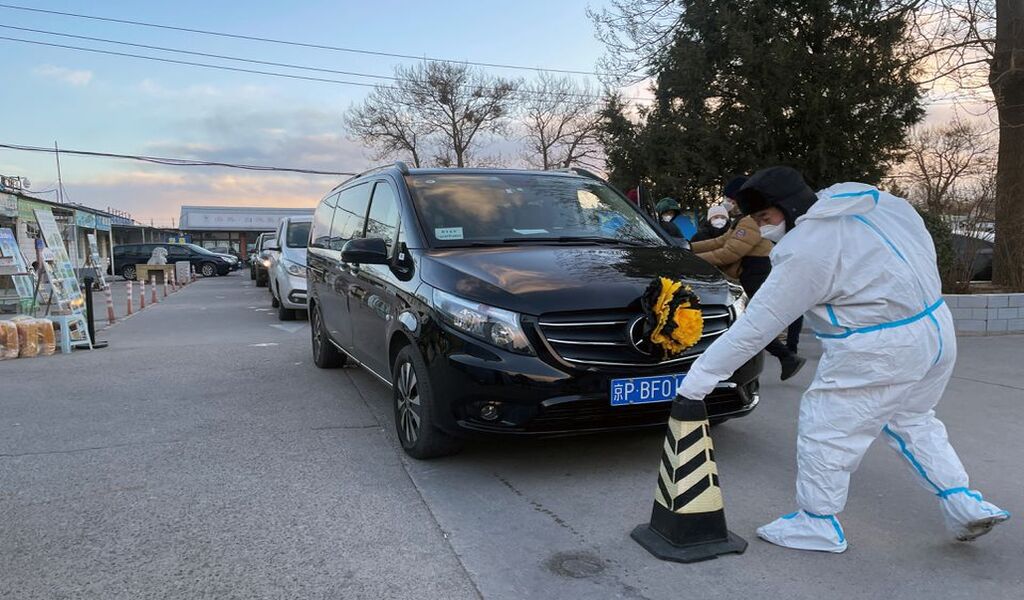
(408, 403)
(318, 336)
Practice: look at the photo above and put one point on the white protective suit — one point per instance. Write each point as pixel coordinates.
(861, 265)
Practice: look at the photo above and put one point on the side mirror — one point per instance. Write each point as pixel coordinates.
(272, 247)
(365, 251)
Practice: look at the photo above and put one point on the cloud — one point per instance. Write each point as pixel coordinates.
(77, 78)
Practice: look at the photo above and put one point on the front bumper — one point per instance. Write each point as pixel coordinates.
(537, 398)
(292, 292)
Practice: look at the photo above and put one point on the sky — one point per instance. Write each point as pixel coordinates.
(86, 101)
(123, 105)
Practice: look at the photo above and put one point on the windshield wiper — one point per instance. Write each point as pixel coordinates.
(570, 239)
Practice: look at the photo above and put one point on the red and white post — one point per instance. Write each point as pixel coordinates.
(174, 283)
(164, 283)
(109, 294)
(142, 294)
(128, 292)
(193, 273)
(152, 285)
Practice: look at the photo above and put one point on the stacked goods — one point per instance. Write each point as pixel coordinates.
(8, 340)
(26, 337)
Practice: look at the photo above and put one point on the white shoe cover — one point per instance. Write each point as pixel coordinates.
(968, 515)
(805, 531)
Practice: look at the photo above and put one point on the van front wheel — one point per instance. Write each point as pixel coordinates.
(414, 405)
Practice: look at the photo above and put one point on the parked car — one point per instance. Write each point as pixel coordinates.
(208, 264)
(974, 253)
(225, 252)
(259, 262)
(505, 302)
(287, 270)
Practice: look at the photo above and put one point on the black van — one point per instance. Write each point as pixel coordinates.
(126, 256)
(502, 301)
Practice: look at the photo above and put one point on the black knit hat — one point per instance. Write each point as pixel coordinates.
(733, 186)
(782, 187)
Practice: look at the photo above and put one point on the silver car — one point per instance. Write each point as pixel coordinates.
(287, 271)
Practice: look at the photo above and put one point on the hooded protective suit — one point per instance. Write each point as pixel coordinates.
(861, 265)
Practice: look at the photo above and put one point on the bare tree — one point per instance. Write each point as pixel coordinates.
(974, 48)
(562, 122)
(434, 112)
(944, 161)
(456, 103)
(384, 123)
(635, 33)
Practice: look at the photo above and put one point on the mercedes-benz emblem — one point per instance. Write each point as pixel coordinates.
(636, 337)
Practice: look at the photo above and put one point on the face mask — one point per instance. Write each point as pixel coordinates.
(773, 232)
(719, 223)
(666, 218)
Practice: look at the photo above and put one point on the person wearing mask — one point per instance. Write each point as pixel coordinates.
(673, 220)
(861, 265)
(715, 224)
(742, 254)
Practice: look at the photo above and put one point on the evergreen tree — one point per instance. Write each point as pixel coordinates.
(816, 84)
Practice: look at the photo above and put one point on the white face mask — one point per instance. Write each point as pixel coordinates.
(719, 222)
(773, 232)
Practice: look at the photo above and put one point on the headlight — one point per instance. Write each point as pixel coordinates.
(492, 325)
(295, 269)
(266, 263)
(739, 300)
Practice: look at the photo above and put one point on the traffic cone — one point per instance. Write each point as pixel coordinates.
(688, 520)
(152, 286)
(109, 296)
(128, 292)
(174, 286)
(142, 294)
(193, 273)
(164, 283)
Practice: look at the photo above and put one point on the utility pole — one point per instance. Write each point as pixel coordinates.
(60, 182)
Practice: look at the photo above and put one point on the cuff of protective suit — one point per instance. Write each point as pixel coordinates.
(693, 388)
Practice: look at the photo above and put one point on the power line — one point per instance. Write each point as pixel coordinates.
(176, 162)
(294, 43)
(269, 63)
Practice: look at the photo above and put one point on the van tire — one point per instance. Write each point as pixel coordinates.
(412, 391)
(325, 355)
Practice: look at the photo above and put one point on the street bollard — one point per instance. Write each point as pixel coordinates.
(164, 283)
(128, 292)
(109, 296)
(174, 286)
(193, 273)
(688, 519)
(142, 294)
(152, 287)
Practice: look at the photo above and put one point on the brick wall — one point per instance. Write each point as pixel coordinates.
(987, 314)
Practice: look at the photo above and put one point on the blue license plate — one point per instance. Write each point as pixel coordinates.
(644, 390)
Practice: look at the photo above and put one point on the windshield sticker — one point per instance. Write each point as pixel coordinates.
(448, 233)
(530, 231)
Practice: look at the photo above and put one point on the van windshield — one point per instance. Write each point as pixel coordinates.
(468, 209)
(298, 235)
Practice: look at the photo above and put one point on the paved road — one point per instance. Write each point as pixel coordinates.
(203, 455)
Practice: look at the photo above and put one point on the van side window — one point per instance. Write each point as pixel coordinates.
(350, 215)
(320, 234)
(383, 218)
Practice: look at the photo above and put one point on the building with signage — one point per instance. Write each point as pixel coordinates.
(232, 228)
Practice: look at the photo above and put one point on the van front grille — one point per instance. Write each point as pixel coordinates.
(612, 338)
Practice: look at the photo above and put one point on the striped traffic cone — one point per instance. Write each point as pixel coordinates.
(109, 296)
(174, 286)
(193, 273)
(142, 294)
(128, 292)
(688, 520)
(152, 286)
(163, 283)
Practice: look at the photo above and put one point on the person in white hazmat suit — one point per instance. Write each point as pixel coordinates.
(861, 265)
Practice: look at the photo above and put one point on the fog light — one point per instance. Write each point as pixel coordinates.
(489, 412)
